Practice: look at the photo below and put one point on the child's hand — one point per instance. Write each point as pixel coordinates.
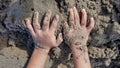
(44, 36)
(76, 32)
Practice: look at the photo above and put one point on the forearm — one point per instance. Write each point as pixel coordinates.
(80, 58)
(38, 58)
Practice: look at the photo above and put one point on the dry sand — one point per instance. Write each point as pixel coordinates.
(16, 44)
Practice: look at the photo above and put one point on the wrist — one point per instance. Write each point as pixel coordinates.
(42, 47)
(79, 51)
(79, 48)
(43, 50)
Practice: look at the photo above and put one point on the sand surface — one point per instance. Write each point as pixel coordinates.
(16, 44)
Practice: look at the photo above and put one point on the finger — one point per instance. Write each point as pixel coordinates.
(35, 23)
(65, 25)
(91, 24)
(71, 18)
(59, 39)
(76, 16)
(54, 23)
(46, 21)
(84, 18)
(29, 26)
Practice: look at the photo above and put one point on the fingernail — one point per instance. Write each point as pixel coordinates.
(92, 18)
(74, 7)
(63, 22)
(49, 11)
(83, 10)
(60, 34)
(70, 9)
(26, 20)
(57, 17)
(36, 12)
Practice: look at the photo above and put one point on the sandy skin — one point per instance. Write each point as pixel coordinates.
(43, 37)
(75, 33)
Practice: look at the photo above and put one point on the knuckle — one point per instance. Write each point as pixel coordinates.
(47, 15)
(46, 19)
(54, 25)
(71, 19)
(45, 24)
